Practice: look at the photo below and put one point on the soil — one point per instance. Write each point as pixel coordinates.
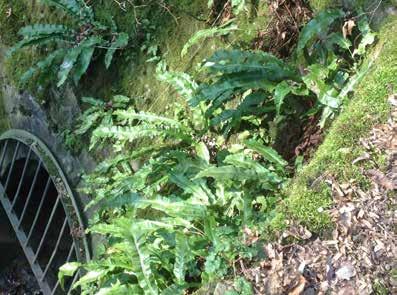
(282, 32)
(18, 279)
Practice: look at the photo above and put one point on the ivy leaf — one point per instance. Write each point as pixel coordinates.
(120, 42)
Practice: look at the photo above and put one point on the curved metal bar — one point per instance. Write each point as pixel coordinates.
(59, 178)
(65, 196)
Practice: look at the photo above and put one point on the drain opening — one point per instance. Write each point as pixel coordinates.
(40, 211)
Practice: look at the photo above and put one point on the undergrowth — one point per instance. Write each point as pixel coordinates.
(181, 199)
(72, 47)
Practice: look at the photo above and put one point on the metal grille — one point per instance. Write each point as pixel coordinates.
(41, 208)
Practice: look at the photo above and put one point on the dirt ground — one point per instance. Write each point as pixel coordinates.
(18, 279)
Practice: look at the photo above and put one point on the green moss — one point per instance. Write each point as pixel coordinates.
(139, 78)
(16, 65)
(3, 116)
(318, 5)
(13, 16)
(334, 157)
(26, 13)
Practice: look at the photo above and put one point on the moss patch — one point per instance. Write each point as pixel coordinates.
(13, 16)
(318, 5)
(308, 195)
(3, 116)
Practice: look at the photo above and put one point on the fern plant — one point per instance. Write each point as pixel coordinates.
(172, 224)
(75, 46)
(246, 85)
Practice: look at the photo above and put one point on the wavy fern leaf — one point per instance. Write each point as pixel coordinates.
(317, 26)
(130, 115)
(69, 61)
(75, 8)
(201, 35)
(43, 64)
(85, 57)
(182, 253)
(227, 87)
(140, 256)
(37, 30)
(120, 42)
(238, 61)
(39, 40)
(181, 82)
(78, 57)
(238, 71)
(118, 289)
(267, 152)
(251, 105)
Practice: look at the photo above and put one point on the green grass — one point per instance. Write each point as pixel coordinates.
(307, 195)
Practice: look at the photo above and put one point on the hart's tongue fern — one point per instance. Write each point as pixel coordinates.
(82, 40)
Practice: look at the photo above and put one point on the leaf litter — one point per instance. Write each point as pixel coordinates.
(360, 255)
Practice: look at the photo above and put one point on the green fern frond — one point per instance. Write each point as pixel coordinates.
(237, 71)
(267, 152)
(43, 64)
(201, 35)
(120, 42)
(37, 30)
(182, 255)
(130, 134)
(67, 65)
(130, 115)
(317, 26)
(78, 57)
(75, 8)
(181, 82)
(38, 40)
(240, 61)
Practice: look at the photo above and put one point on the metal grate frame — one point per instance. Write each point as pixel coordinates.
(13, 144)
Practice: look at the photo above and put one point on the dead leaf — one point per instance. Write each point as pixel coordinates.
(346, 271)
(363, 157)
(381, 179)
(348, 28)
(9, 12)
(393, 99)
(299, 288)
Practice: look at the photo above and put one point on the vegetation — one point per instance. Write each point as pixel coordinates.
(179, 213)
(184, 194)
(75, 47)
(335, 156)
